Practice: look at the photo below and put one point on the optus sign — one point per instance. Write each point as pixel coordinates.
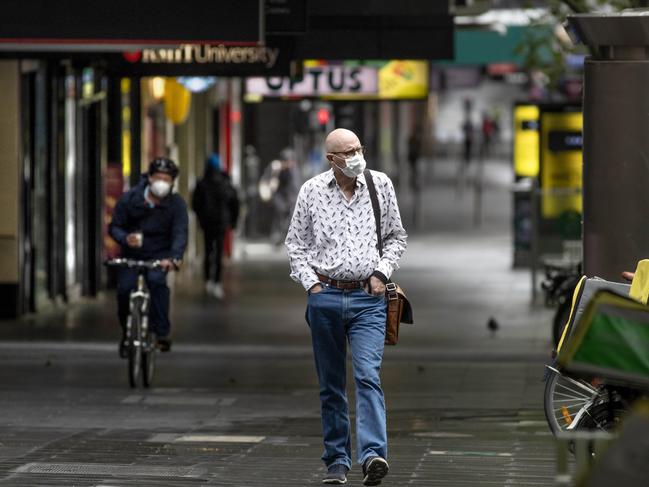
(321, 81)
(386, 80)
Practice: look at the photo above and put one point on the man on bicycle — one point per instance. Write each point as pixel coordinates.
(150, 223)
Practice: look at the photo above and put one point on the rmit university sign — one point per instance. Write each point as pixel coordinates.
(204, 60)
(207, 54)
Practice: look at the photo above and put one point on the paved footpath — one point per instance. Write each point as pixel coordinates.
(235, 403)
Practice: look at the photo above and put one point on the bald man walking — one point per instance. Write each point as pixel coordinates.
(332, 246)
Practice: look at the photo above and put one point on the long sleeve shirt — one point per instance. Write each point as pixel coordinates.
(336, 237)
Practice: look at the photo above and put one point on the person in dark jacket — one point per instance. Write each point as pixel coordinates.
(150, 222)
(216, 205)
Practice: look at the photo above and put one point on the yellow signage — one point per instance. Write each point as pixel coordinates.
(393, 80)
(125, 90)
(561, 168)
(526, 141)
(403, 79)
(177, 100)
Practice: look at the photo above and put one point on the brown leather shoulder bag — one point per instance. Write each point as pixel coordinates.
(399, 309)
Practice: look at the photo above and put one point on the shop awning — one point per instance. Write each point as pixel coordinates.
(482, 46)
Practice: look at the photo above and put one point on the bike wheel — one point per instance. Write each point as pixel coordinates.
(602, 417)
(135, 346)
(148, 361)
(564, 399)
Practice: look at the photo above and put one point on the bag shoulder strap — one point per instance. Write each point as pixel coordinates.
(375, 207)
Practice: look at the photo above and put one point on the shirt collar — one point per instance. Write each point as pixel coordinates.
(145, 197)
(330, 178)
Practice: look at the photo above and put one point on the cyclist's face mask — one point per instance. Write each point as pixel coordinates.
(160, 188)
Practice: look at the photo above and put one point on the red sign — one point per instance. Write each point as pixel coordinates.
(114, 189)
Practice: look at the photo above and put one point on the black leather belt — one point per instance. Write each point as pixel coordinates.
(341, 284)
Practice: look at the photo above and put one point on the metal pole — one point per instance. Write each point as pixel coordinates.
(534, 209)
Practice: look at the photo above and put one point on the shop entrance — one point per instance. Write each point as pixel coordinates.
(62, 152)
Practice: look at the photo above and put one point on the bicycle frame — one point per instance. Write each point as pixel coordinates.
(141, 291)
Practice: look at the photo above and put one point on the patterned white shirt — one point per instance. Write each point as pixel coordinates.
(336, 237)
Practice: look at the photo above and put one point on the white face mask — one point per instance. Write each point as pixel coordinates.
(355, 166)
(160, 188)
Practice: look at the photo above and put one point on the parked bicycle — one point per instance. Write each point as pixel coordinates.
(140, 339)
(600, 369)
(558, 287)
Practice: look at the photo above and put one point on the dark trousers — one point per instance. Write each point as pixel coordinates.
(156, 281)
(468, 151)
(213, 259)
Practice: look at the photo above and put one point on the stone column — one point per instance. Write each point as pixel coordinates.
(616, 142)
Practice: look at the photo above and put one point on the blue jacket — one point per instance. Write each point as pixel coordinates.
(164, 227)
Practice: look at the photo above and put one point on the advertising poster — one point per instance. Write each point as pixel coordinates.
(377, 80)
(526, 141)
(561, 166)
(114, 184)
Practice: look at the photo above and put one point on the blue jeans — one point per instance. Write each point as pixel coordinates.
(338, 317)
(156, 281)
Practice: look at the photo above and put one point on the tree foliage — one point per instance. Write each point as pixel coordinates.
(588, 6)
(543, 50)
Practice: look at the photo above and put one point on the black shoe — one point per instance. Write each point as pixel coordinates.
(374, 469)
(336, 474)
(163, 344)
(123, 348)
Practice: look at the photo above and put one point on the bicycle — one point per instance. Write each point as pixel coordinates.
(141, 341)
(559, 285)
(597, 395)
(572, 402)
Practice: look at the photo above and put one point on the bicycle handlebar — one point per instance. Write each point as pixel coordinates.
(134, 263)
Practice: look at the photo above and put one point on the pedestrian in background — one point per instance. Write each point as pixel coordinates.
(285, 194)
(414, 151)
(487, 129)
(251, 192)
(332, 246)
(467, 132)
(216, 205)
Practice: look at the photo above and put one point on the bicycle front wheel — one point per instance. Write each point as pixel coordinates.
(135, 346)
(564, 399)
(148, 361)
